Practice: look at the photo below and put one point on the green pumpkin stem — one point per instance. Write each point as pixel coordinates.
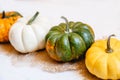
(3, 14)
(67, 24)
(32, 19)
(109, 49)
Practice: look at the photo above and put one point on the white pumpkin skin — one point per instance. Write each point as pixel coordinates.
(29, 38)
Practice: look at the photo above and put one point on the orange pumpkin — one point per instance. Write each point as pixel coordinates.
(7, 19)
(103, 58)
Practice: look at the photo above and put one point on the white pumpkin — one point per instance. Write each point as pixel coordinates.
(28, 35)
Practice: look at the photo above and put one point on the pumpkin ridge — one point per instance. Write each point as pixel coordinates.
(35, 36)
(85, 32)
(118, 67)
(76, 24)
(51, 33)
(80, 25)
(59, 58)
(70, 47)
(96, 63)
(27, 45)
(89, 55)
(95, 59)
(109, 67)
(61, 48)
(55, 48)
(81, 42)
(23, 40)
(51, 46)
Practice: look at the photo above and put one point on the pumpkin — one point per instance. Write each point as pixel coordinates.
(103, 58)
(7, 19)
(27, 34)
(68, 41)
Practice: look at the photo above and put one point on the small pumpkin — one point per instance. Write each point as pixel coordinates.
(68, 41)
(103, 58)
(7, 19)
(27, 34)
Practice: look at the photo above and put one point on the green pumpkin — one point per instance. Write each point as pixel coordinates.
(69, 41)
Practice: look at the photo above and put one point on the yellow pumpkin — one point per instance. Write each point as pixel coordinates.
(7, 19)
(103, 58)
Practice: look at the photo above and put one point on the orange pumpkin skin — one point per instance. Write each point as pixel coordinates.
(7, 19)
(103, 60)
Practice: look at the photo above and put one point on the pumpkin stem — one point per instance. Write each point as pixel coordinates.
(3, 14)
(109, 49)
(67, 23)
(32, 19)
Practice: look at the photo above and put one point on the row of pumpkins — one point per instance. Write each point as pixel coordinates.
(64, 42)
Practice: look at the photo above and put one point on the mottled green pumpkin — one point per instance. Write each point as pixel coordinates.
(69, 41)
